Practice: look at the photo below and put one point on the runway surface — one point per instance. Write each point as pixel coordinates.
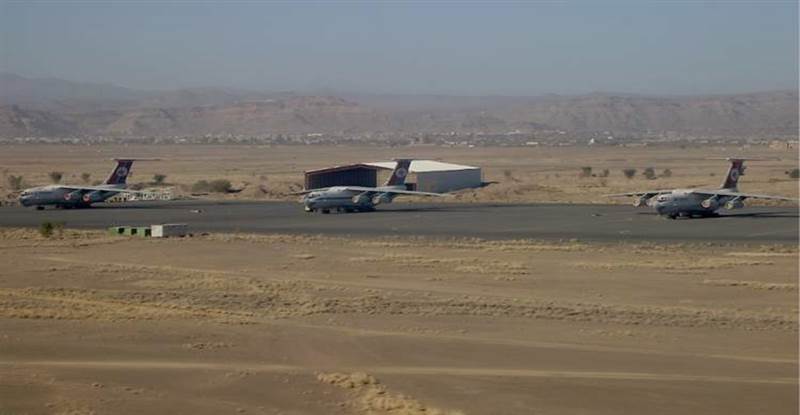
(530, 221)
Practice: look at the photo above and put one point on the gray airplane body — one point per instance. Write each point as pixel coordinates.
(359, 198)
(674, 203)
(79, 196)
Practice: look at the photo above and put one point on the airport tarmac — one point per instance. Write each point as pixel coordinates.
(499, 221)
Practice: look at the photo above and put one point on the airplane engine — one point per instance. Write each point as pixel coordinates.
(734, 204)
(640, 201)
(73, 196)
(93, 197)
(710, 203)
(382, 198)
(361, 199)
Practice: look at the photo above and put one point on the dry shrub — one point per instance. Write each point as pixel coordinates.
(15, 182)
(213, 186)
(55, 176)
(629, 173)
(48, 229)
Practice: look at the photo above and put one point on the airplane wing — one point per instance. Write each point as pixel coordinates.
(102, 189)
(728, 193)
(642, 193)
(396, 191)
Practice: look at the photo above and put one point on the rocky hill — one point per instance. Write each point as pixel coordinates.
(18, 122)
(758, 113)
(284, 115)
(30, 107)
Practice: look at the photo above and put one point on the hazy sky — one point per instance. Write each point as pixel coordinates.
(678, 47)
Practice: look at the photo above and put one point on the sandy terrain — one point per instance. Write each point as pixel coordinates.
(277, 324)
(526, 174)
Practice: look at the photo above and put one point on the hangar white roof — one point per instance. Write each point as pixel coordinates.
(423, 166)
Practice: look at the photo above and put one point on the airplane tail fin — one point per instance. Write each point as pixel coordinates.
(398, 177)
(734, 172)
(120, 173)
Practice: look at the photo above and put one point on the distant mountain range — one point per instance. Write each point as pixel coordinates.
(55, 107)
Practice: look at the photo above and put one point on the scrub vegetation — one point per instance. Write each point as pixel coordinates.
(629, 173)
(55, 176)
(213, 186)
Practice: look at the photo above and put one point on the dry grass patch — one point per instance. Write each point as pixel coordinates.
(369, 396)
(472, 244)
(270, 238)
(76, 304)
(25, 238)
(475, 265)
(763, 254)
(673, 265)
(412, 242)
(756, 285)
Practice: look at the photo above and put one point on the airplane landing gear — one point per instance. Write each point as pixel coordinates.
(39, 207)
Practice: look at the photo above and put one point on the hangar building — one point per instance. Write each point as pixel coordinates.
(352, 175)
(425, 176)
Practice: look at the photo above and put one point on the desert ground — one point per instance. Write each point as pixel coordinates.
(305, 324)
(277, 324)
(523, 174)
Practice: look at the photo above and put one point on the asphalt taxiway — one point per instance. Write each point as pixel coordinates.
(488, 221)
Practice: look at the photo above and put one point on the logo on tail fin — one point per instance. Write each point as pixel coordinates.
(399, 173)
(734, 172)
(120, 173)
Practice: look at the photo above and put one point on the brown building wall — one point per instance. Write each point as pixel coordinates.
(356, 176)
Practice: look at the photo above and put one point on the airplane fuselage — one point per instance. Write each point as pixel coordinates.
(342, 199)
(684, 202)
(55, 195)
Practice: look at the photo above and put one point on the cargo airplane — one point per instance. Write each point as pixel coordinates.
(674, 203)
(361, 199)
(78, 196)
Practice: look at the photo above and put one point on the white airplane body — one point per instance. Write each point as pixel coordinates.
(360, 198)
(673, 203)
(79, 196)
